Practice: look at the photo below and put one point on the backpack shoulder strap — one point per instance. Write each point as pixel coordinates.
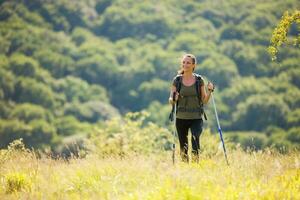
(198, 77)
(199, 82)
(178, 82)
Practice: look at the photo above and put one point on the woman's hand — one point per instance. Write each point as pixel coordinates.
(176, 98)
(210, 87)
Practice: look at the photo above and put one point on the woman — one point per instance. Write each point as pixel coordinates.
(189, 105)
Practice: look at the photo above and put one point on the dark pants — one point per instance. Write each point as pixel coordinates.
(183, 126)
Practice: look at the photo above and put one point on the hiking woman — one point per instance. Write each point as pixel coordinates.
(190, 95)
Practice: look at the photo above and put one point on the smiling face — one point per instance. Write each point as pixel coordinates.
(188, 64)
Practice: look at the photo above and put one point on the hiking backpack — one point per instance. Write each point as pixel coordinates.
(178, 83)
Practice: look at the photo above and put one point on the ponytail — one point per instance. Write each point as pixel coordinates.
(180, 72)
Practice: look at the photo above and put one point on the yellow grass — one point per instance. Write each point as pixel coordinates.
(259, 175)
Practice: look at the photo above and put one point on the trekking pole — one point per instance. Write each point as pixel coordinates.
(219, 128)
(172, 117)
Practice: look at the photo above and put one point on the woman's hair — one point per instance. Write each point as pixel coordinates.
(190, 56)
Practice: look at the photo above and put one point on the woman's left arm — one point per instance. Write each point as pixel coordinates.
(205, 96)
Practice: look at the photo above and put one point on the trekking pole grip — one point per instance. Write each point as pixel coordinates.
(171, 116)
(174, 96)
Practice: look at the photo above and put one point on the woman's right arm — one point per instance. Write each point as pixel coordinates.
(173, 89)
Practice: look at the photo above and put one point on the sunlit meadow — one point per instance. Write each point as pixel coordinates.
(250, 175)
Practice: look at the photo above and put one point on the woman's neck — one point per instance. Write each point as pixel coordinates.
(188, 74)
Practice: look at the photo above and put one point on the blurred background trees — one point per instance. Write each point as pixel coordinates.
(66, 68)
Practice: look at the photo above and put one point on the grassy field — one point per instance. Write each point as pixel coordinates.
(255, 175)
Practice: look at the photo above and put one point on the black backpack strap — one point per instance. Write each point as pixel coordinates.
(199, 79)
(177, 83)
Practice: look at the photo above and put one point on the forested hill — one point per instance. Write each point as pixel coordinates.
(66, 65)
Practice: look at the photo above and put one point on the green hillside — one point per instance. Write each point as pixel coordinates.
(67, 67)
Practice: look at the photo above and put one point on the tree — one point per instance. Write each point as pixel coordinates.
(249, 140)
(240, 92)
(136, 20)
(220, 69)
(57, 64)
(27, 112)
(159, 113)
(42, 133)
(78, 90)
(22, 65)
(29, 90)
(91, 111)
(11, 130)
(293, 118)
(155, 89)
(68, 125)
(294, 135)
(98, 70)
(279, 36)
(260, 111)
(36, 133)
(81, 35)
(244, 55)
(7, 84)
(5, 109)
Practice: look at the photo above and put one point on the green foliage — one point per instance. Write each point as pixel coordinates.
(11, 130)
(260, 21)
(260, 111)
(3, 61)
(294, 135)
(293, 118)
(159, 113)
(233, 32)
(91, 111)
(27, 112)
(63, 15)
(83, 63)
(16, 182)
(136, 20)
(68, 125)
(294, 75)
(5, 108)
(21, 36)
(291, 97)
(277, 139)
(78, 90)
(30, 17)
(286, 66)
(240, 92)
(153, 90)
(211, 145)
(245, 57)
(133, 136)
(42, 133)
(90, 68)
(7, 84)
(81, 35)
(59, 65)
(219, 68)
(22, 65)
(31, 91)
(249, 140)
(183, 43)
(279, 36)
(37, 133)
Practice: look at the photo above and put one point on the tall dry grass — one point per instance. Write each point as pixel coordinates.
(251, 175)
